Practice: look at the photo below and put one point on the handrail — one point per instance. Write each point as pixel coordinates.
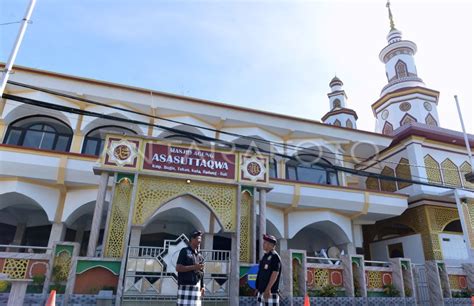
(13, 248)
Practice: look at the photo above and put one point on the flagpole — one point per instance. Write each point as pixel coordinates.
(16, 47)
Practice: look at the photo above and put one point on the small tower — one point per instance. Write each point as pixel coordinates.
(404, 99)
(339, 114)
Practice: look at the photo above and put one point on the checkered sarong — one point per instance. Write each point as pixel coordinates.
(189, 295)
(274, 300)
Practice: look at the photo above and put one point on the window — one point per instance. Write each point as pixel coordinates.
(94, 141)
(320, 172)
(273, 168)
(40, 132)
(401, 69)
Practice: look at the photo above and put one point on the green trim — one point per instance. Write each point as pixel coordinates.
(121, 176)
(84, 265)
(356, 260)
(376, 294)
(249, 189)
(298, 256)
(60, 248)
(405, 264)
(243, 271)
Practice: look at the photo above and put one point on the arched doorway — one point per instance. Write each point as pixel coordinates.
(22, 221)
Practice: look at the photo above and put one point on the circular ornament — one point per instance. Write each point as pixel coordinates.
(385, 114)
(405, 107)
(428, 106)
(254, 169)
(122, 152)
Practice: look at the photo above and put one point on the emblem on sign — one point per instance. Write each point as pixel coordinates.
(253, 168)
(122, 152)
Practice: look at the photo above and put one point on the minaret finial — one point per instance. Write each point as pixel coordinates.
(392, 24)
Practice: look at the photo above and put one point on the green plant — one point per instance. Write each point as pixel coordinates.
(36, 285)
(328, 291)
(391, 291)
(60, 289)
(461, 294)
(408, 292)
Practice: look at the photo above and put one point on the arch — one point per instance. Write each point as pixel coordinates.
(453, 226)
(25, 111)
(336, 103)
(349, 124)
(44, 197)
(465, 168)
(255, 145)
(183, 137)
(387, 128)
(196, 203)
(450, 173)
(403, 171)
(407, 119)
(94, 139)
(100, 122)
(394, 230)
(430, 120)
(433, 171)
(401, 69)
(372, 183)
(40, 132)
(331, 222)
(388, 185)
(337, 122)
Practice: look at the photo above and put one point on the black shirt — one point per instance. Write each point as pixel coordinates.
(188, 257)
(269, 263)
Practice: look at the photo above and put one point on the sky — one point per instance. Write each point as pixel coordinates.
(272, 55)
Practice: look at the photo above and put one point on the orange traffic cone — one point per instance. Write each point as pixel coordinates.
(472, 300)
(51, 299)
(306, 300)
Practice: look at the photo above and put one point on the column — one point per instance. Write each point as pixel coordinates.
(18, 291)
(347, 275)
(469, 269)
(234, 256)
(253, 227)
(207, 241)
(79, 236)
(282, 245)
(96, 220)
(434, 283)
(397, 275)
(58, 231)
(262, 218)
(19, 232)
(135, 235)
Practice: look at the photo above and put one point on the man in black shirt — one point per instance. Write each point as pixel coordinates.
(190, 268)
(268, 277)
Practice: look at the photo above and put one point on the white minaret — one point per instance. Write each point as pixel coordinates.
(339, 114)
(404, 99)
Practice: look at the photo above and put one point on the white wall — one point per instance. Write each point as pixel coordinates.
(412, 248)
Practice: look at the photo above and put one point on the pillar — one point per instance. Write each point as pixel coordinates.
(397, 275)
(207, 241)
(135, 235)
(97, 218)
(262, 218)
(79, 236)
(282, 245)
(253, 227)
(469, 269)
(17, 292)
(19, 233)
(434, 283)
(58, 231)
(347, 275)
(234, 256)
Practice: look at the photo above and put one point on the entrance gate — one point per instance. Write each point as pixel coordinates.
(151, 272)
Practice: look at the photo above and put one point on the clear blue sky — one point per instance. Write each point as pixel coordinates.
(272, 55)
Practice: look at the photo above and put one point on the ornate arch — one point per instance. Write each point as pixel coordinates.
(407, 119)
(403, 171)
(388, 185)
(337, 122)
(466, 168)
(153, 192)
(430, 120)
(450, 173)
(401, 69)
(433, 172)
(349, 124)
(387, 128)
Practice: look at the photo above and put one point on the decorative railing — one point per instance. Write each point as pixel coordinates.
(11, 248)
(377, 274)
(322, 272)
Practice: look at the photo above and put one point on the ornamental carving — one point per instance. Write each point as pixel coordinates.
(405, 106)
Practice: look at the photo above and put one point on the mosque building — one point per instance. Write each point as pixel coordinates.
(101, 183)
